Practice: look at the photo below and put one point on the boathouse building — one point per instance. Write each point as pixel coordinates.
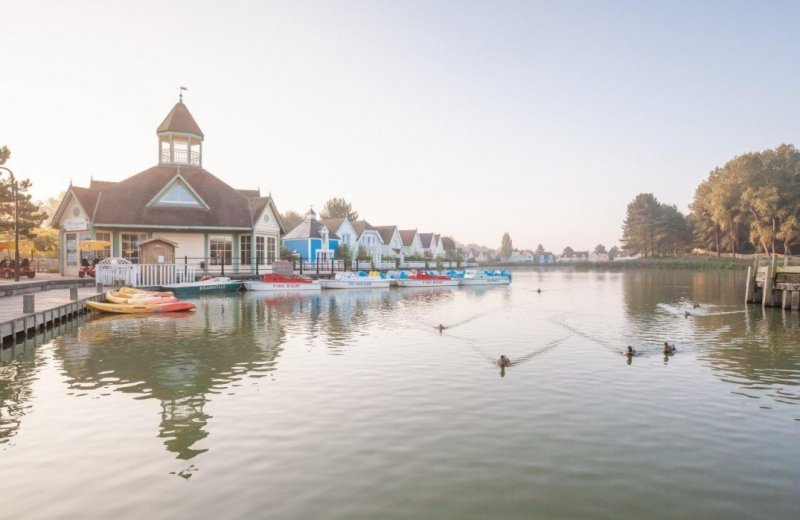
(176, 206)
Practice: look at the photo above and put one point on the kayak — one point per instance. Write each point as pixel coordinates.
(116, 297)
(139, 308)
(131, 291)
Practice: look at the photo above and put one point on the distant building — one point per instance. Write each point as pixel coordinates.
(411, 242)
(312, 240)
(392, 241)
(369, 240)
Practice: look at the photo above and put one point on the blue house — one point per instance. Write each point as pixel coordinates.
(311, 240)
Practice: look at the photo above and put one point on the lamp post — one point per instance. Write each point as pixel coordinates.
(16, 222)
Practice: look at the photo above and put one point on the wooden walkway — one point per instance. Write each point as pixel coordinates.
(51, 308)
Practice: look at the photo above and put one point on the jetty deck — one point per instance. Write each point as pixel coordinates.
(52, 307)
(772, 284)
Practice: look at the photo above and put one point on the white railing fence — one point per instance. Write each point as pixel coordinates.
(116, 271)
(163, 274)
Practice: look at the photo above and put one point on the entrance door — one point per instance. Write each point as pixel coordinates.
(71, 257)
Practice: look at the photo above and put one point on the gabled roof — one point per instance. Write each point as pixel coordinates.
(309, 228)
(250, 194)
(333, 224)
(87, 198)
(180, 120)
(408, 236)
(425, 239)
(362, 225)
(126, 202)
(259, 204)
(449, 244)
(386, 232)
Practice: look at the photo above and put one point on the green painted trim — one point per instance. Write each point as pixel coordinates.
(235, 253)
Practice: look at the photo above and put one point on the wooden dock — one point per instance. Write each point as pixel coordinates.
(51, 308)
(773, 285)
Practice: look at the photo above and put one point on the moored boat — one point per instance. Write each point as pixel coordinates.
(349, 280)
(139, 308)
(475, 277)
(212, 285)
(278, 282)
(423, 279)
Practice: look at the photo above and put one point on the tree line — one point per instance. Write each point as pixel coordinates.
(750, 204)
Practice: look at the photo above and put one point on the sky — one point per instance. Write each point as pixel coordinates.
(469, 119)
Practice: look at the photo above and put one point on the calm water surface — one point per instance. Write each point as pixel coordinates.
(351, 405)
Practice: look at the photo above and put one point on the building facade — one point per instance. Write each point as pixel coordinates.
(208, 221)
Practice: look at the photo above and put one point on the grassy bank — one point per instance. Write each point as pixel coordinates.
(680, 262)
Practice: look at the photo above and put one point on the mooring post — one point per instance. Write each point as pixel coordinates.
(28, 304)
(795, 301)
(99, 287)
(786, 299)
(749, 291)
(767, 300)
(73, 292)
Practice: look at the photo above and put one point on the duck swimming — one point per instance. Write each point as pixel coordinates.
(503, 361)
(629, 351)
(669, 349)
(696, 306)
(687, 314)
(440, 328)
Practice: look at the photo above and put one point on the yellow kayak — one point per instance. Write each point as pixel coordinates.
(139, 308)
(132, 291)
(116, 297)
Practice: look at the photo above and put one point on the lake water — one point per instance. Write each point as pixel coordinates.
(352, 405)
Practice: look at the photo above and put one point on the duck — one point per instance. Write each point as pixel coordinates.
(696, 306)
(629, 351)
(669, 349)
(503, 361)
(440, 327)
(539, 291)
(687, 314)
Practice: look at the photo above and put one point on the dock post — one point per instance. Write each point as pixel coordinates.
(73, 292)
(795, 301)
(769, 283)
(28, 306)
(99, 287)
(786, 299)
(749, 292)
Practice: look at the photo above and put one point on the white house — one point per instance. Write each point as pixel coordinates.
(369, 239)
(411, 242)
(392, 241)
(437, 247)
(344, 229)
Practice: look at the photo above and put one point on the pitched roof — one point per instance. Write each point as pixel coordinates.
(94, 184)
(332, 224)
(126, 202)
(386, 232)
(309, 228)
(250, 194)
(360, 226)
(425, 239)
(180, 120)
(87, 198)
(408, 236)
(448, 243)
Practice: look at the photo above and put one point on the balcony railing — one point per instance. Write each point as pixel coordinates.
(180, 157)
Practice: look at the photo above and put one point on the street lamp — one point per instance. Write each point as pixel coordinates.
(14, 189)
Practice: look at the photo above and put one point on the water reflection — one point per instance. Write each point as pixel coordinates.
(19, 369)
(752, 348)
(181, 360)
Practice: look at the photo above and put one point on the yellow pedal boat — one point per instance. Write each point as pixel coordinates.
(140, 308)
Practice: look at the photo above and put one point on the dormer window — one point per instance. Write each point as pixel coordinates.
(178, 194)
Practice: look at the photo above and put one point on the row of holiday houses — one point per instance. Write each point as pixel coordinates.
(320, 240)
(177, 211)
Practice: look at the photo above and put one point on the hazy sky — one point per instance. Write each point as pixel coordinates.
(543, 119)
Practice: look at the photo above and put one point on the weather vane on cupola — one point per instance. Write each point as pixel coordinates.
(180, 93)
